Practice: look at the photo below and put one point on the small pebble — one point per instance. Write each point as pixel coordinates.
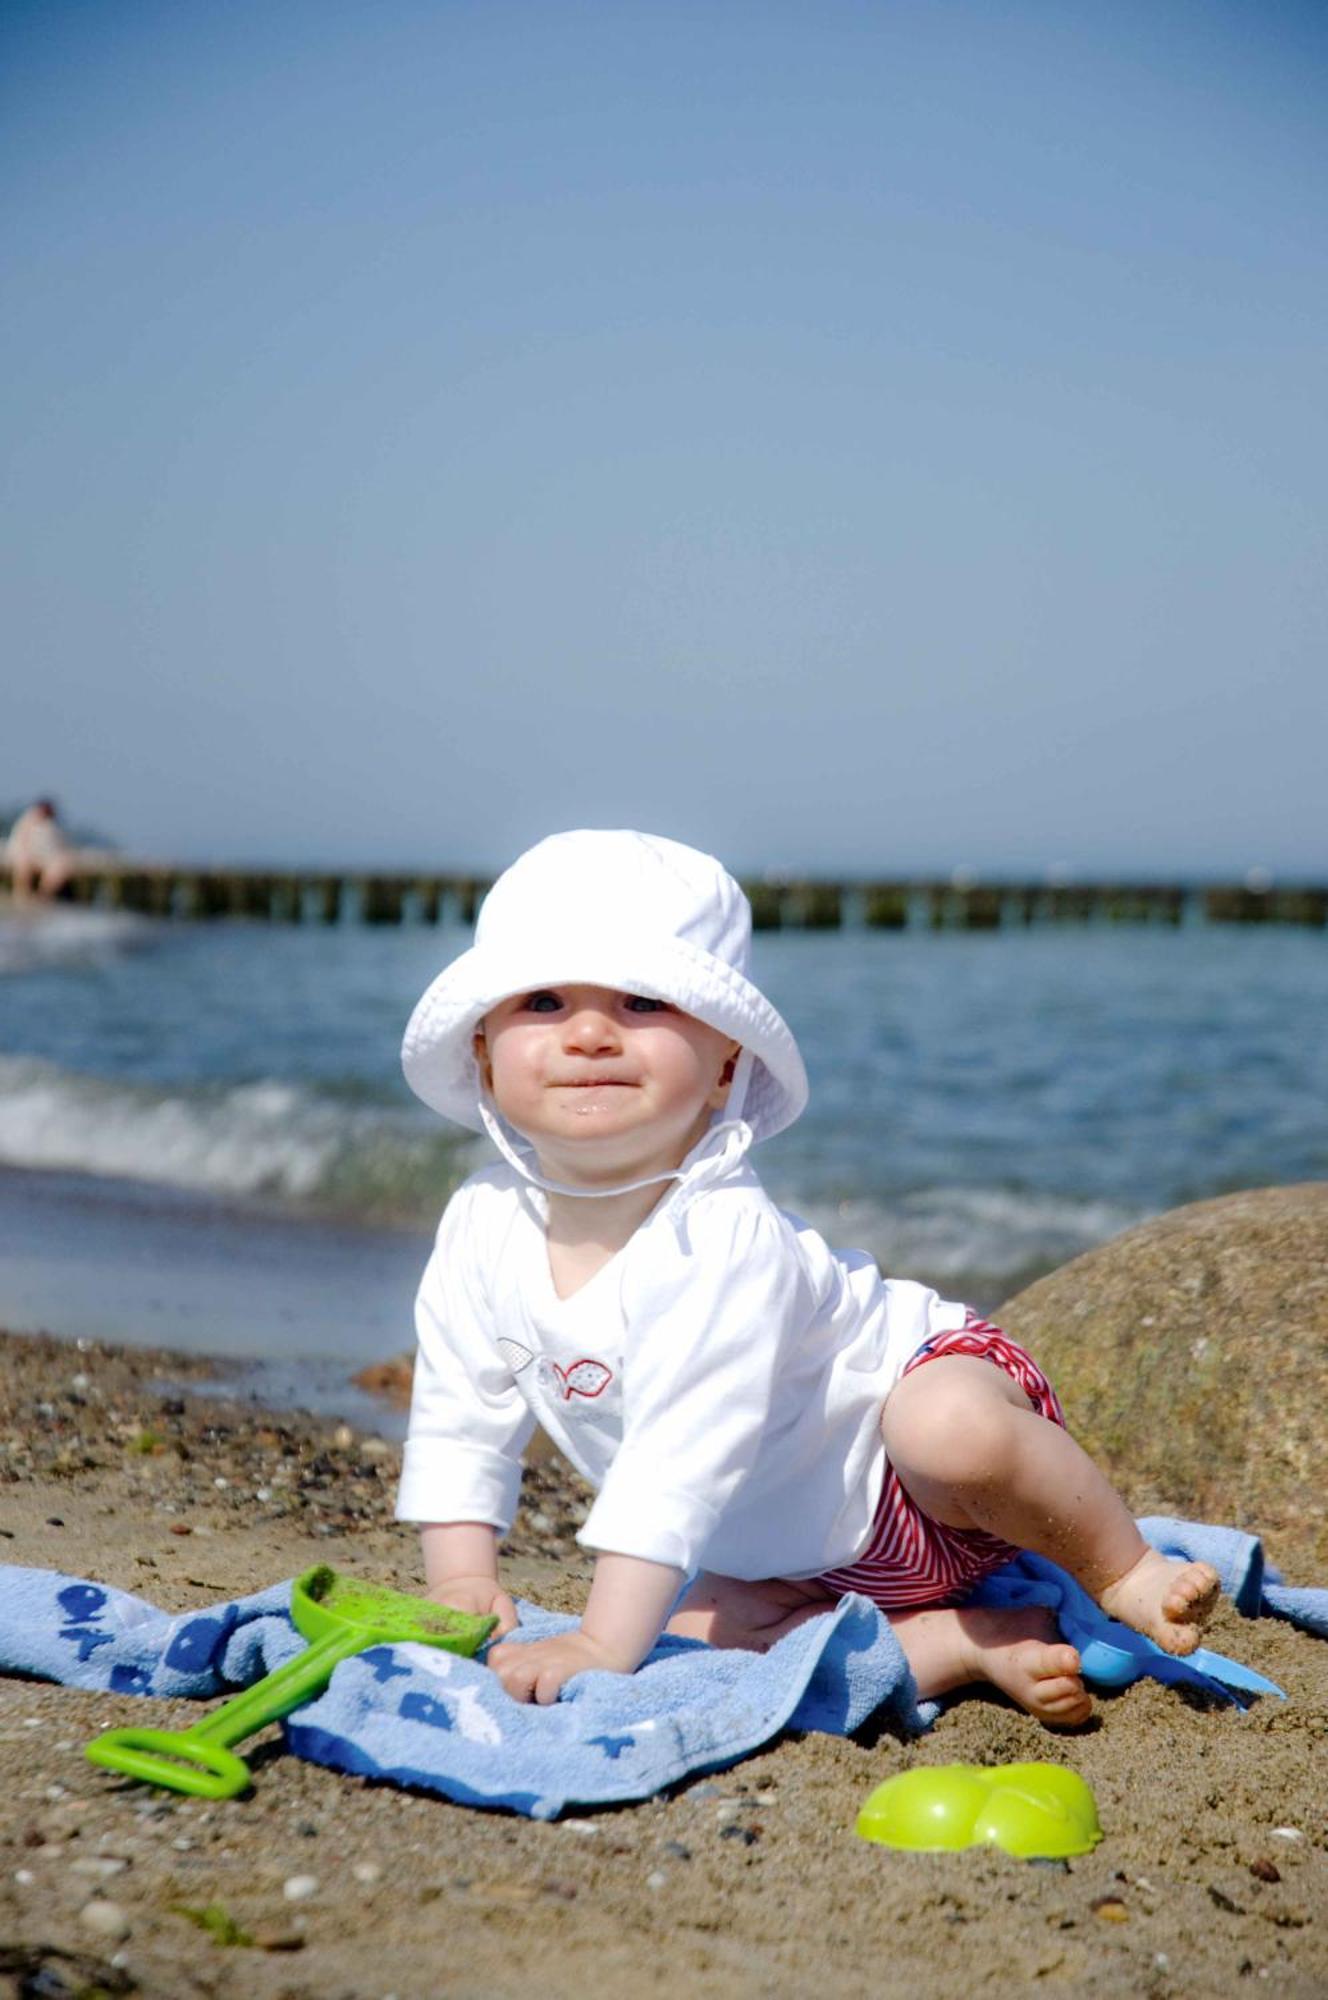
(107, 1919)
(676, 1850)
(656, 1879)
(180, 1528)
(342, 1436)
(1287, 1833)
(1110, 1909)
(307, 1830)
(263, 1493)
(78, 1383)
(298, 1888)
(98, 1866)
(54, 1792)
(278, 1937)
(24, 1877)
(33, 1722)
(54, 1521)
(367, 1872)
(1264, 1870)
(221, 1483)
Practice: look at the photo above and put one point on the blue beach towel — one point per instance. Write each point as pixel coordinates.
(419, 1717)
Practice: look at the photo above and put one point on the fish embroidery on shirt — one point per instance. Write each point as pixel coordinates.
(583, 1378)
(514, 1354)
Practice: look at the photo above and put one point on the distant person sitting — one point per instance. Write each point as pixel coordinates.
(41, 858)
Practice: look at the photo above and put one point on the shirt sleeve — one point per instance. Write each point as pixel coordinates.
(469, 1423)
(706, 1339)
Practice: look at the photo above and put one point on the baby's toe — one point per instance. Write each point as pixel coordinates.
(1058, 1663)
(1193, 1593)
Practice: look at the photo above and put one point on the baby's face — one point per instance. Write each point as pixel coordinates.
(603, 1083)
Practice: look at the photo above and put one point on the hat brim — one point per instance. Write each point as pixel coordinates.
(437, 1054)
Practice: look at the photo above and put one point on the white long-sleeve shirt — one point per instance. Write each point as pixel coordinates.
(719, 1381)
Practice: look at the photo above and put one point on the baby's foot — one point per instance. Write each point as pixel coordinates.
(1017, 1650)
(1167, 1600)
(1021, 1653)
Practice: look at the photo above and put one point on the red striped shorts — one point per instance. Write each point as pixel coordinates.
(910, 1559)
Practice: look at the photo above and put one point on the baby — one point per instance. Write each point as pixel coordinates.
(757, 1412)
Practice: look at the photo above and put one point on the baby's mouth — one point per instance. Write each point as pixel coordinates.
(593, 1083)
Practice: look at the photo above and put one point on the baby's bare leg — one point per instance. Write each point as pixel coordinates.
(725, 1611)
(971, 1451)
(1018, 1651)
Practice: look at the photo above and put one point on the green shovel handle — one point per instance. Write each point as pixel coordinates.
(197, 1760)
(171, 1757)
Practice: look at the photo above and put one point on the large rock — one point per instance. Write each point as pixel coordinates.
(1192, 1358)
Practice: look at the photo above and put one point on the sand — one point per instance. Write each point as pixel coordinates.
(1212, 1878)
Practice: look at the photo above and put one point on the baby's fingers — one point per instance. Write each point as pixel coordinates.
(505, 1612)
(515, 1669)
(549, 1683)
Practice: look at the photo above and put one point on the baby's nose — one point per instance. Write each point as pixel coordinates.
(591, 1029)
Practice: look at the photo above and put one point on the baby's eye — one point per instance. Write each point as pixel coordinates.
(543, 1002)
(641, 1003)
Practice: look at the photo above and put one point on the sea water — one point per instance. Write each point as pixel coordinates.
(205, 1139)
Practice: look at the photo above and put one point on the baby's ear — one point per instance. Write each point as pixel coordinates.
(479, 1048)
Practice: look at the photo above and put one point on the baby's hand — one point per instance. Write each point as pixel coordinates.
(536, 1671)
(479, 1594)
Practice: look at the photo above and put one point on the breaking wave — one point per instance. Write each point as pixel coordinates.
(277, 1141)
(979, 1243)
(307, 1150)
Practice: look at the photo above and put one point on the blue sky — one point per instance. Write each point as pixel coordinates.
(852, 436)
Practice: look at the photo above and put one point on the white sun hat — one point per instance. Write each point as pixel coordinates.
(630, 911)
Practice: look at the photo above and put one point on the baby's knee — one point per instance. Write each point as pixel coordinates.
(949, 1422)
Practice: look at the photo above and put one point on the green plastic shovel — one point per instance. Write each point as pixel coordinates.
(338, 1616)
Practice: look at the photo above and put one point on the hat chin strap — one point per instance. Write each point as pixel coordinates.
(737, 1135)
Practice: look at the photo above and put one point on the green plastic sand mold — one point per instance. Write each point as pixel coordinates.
(338, 1616)
(1034, 1811)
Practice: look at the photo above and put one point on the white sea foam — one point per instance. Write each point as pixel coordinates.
(53, 938)
(956, 1236)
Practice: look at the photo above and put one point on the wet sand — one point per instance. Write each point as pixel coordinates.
(118, 1464)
